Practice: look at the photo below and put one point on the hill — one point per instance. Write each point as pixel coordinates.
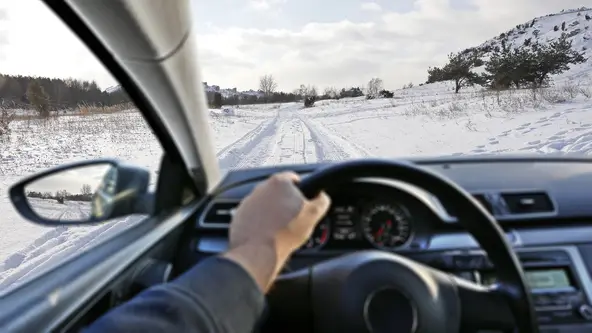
(576, 24)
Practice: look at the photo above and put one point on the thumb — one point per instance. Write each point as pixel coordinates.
(318, 206)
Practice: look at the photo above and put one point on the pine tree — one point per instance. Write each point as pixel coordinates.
(38, 98)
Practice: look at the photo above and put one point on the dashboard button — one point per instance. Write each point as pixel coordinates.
(560, 300)
(562, 315)
(543, 300)
(585, 311)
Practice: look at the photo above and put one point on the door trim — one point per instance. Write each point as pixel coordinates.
(45, 303)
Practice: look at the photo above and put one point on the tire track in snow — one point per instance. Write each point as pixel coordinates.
(293, 143)
(54, 247)
(59, 243)
(281, 140)
(330, 147)
(232, 155)
(259, 149)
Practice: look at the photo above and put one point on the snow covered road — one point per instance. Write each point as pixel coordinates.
(287, 138)
(68, 211)
(58, 243)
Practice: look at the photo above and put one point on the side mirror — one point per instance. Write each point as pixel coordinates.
(87, 192)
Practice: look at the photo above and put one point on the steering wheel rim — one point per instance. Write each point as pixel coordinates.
(512, 288)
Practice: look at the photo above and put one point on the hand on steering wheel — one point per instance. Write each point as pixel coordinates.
(377, 291)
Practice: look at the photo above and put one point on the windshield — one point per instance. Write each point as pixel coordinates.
(299, 82)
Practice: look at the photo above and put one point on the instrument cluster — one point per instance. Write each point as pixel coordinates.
(383, 224)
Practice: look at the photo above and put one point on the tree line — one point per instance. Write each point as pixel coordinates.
(61, 196)
(268, 93)
(52, 94)
(529, 65)
(308, 94)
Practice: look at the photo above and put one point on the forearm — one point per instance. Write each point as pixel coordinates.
(215, 296)
(263, 261)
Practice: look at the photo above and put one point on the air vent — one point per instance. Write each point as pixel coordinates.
(218, 214)
(528, 203)
(483, 201)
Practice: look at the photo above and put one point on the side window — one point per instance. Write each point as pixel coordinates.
(58, 104)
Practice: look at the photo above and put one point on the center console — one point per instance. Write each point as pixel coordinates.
(558, 279)
(560, 283)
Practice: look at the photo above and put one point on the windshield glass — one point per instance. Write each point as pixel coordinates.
(305, 82)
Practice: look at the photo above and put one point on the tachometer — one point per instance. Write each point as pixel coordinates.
(387, 225)
(319, 237)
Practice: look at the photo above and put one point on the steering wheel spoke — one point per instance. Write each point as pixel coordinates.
(289, 304)
(483, 308)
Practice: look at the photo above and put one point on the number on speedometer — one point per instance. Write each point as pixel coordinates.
(387, 225)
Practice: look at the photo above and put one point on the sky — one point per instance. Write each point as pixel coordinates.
(338, 43)
(71, 180)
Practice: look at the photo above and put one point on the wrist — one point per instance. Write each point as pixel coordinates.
(261, 259)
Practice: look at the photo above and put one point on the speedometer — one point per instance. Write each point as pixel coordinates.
(319, 237)
(387, 225)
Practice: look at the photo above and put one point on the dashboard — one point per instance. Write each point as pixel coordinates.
(542, 203)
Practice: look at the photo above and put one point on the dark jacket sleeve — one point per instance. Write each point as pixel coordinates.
(217, 295)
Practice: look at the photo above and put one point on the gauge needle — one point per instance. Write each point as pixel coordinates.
(379, 233)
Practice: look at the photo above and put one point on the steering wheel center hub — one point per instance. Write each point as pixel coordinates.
(390, 310)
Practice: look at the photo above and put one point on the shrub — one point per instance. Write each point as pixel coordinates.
(309, 101)
(386, 94)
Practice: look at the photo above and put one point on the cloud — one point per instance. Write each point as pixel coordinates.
(334, 51)
(3, 32)
(265, 5)
(35, 42)
(398, 47)
(371, 6)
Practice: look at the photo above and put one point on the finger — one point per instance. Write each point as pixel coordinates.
(318, 206)
(288, 175)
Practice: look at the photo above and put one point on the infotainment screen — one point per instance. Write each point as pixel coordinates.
(537, 279)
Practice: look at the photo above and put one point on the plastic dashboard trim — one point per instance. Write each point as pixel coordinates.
(429, 200)
(425, 197)
(552, 236)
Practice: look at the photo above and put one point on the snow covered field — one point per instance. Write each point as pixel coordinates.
(423, 121)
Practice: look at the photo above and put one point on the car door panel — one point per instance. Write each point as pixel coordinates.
(61, 297)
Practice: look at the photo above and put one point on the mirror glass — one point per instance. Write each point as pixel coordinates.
(79, 194)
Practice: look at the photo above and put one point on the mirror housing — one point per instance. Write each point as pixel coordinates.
(121, 190)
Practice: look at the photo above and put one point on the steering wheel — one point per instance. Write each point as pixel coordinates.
(379, 292)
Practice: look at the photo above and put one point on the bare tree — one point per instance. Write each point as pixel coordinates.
(302, 91)
(86, 189)
(309, 94)
(267, 85)
(332, 93)
(374, 88)
(307, 91)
